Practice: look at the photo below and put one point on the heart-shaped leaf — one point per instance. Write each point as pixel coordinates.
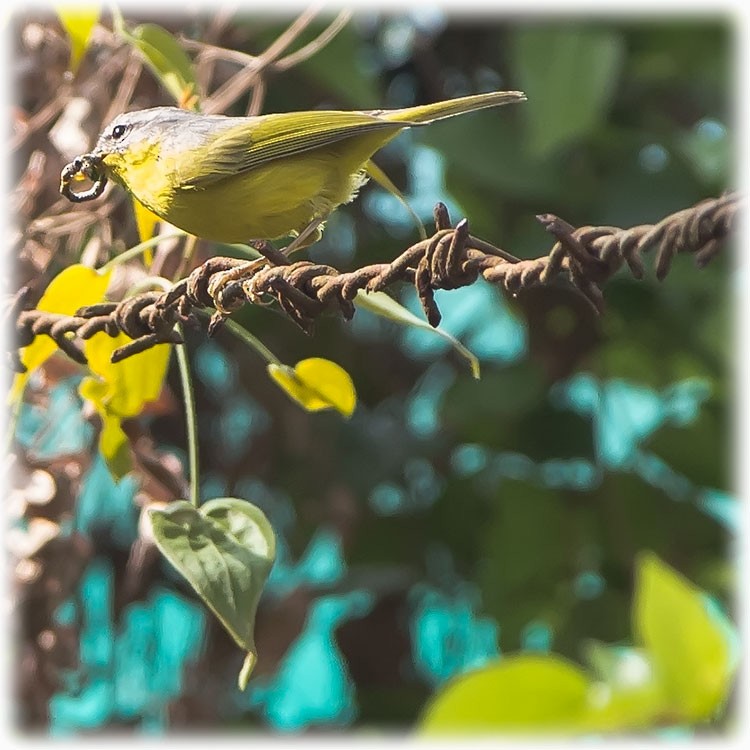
(225, 550)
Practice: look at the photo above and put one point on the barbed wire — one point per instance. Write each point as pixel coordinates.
(586, 257)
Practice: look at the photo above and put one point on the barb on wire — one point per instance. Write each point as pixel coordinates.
(586, 257)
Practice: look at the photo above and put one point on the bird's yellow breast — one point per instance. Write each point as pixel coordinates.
(267, 202)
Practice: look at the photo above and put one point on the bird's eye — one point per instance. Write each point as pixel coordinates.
(118, 131)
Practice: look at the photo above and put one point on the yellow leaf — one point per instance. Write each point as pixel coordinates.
(688, 643)
(113, 445)
(74, 287)
(317, 384)
(119, 391)
(515, 694)
(132, 382)
(78, 22)
(146, 222)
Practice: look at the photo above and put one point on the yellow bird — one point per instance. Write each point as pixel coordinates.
(235, 179)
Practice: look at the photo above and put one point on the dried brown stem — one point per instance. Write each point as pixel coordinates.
(313, 47)
(249, 76)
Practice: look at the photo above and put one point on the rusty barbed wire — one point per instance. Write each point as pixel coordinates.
(587, 257)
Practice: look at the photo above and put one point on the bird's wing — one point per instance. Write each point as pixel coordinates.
(257, 141)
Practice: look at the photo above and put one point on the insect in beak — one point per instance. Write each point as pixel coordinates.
(87, 166)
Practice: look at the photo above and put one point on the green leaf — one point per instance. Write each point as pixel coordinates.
(384, 305)
(120, 391)
(687, 643)
(569, 75)
(78, 22)
(316, 384)
(74, 287)
(168, 61)
(522, 693)
(225, 550)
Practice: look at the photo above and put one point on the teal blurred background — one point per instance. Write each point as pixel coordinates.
(450, 520)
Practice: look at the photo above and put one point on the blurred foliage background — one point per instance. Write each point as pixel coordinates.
(450, 520)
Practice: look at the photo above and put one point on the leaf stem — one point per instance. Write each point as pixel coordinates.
(187, 254)
(191, 420)
(147, 284)
(252, 341)
(138, 249)
(118, 22)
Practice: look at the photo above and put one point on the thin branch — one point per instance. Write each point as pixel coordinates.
(587, 257)
(248, 76)
(126, 87)
(283, 41)
(41, 118)
(313, 47)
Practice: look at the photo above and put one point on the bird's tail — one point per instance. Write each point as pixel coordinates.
(426, 113)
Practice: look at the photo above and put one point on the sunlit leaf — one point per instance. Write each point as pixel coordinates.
(620, 709)
(629, 696)
(384, 305)
(74, 287)
(225, 550)
(120, 391)
(132, 382)
(78, 22)
(687, 643)
(168, 61)
(113, 446)
(317, 384)
(522, 693)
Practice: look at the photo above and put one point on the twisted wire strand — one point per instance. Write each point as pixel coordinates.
(586, 257)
